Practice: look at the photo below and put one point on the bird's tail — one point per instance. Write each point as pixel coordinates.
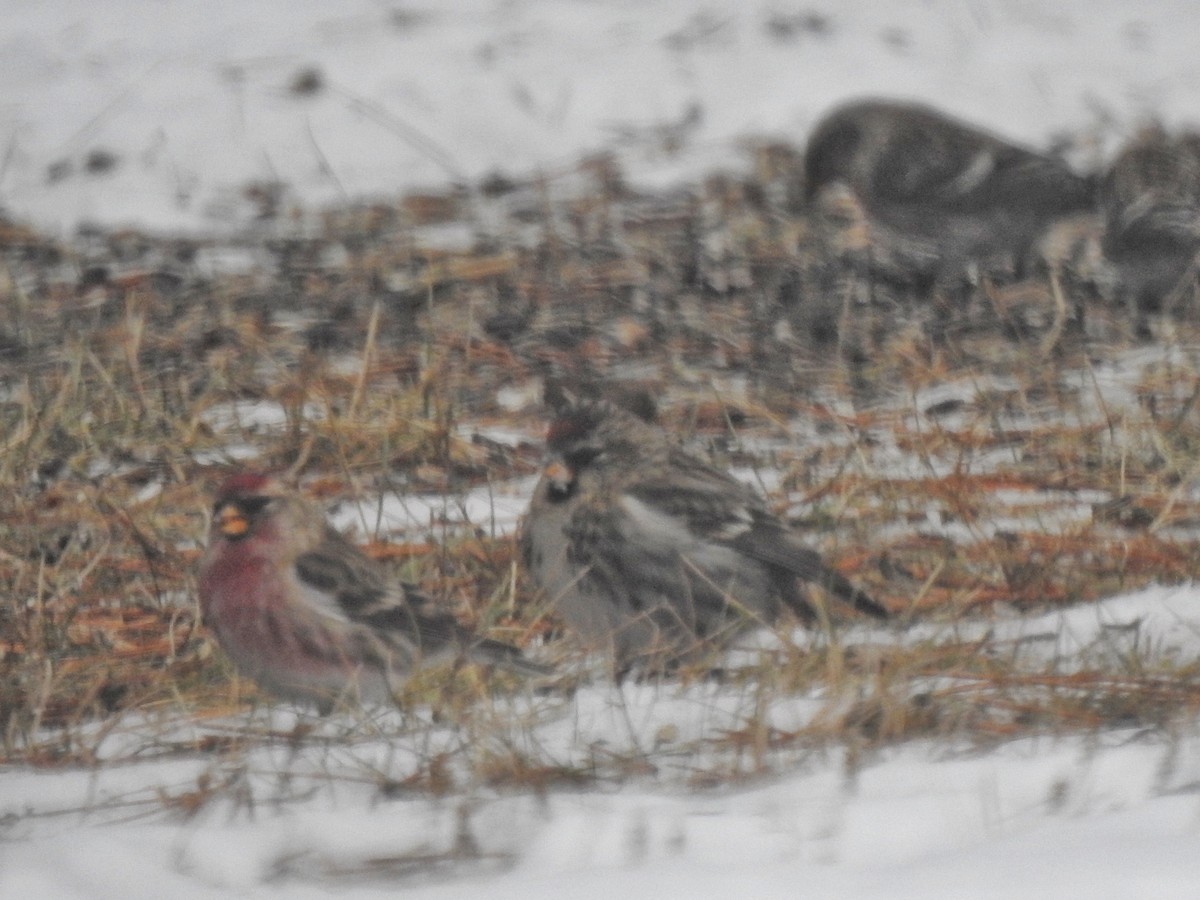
(779, 548)
(839, 585)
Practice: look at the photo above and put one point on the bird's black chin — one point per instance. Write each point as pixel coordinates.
(560, 491)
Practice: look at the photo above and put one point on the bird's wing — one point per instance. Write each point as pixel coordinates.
(352, 587)
(771, 543)
(352, 582)
(706, 502)
(715, 507)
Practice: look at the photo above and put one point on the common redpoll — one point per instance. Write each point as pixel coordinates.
(654, 555)
(310, 617)
(939, 194)
(1151, 204)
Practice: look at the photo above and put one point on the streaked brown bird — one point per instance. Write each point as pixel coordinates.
(934, 196)
(652, 554)
(1151, 205)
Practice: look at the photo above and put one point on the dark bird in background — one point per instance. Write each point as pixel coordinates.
(934, 196)
(1150, 198)
(653, 555)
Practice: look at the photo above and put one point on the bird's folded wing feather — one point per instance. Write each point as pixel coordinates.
(775, 546)
(351, 587)
(710, 503)
(352, 582)
(718, 508)
(355, 589)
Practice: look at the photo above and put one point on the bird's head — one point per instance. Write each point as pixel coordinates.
(242, 502)
(587, 437)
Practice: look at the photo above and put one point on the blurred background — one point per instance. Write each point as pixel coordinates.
(203, 117)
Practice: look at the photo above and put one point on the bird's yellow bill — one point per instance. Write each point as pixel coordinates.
(231, 522)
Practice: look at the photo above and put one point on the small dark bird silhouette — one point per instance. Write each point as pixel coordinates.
(1150, 198)
(937, 195)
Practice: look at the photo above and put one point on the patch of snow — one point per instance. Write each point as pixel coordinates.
(164, 116)
(495, 509)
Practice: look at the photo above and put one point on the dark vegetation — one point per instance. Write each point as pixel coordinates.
(942, 421)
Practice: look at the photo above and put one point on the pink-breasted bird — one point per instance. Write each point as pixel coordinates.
(311, 618)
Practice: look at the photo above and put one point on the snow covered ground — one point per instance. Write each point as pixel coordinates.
(1105, 815)
(159, 114)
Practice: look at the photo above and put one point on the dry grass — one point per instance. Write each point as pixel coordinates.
(130, 381)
